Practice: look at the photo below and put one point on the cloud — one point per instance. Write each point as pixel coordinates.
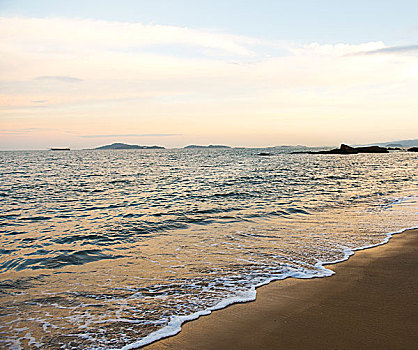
(129, 135)
(22, 131)
(131, 81)
(394, 50)
(335, 50)
(64, 79)
(58, 35)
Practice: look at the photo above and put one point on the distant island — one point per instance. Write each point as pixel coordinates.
(210, 146)
(394, 145)
(345, 149)
(121, 146)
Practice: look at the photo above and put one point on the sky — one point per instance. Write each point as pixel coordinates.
(260, 73)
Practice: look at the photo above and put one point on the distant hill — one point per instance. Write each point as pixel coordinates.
(397, 143)
(210, 146)
(119, 145)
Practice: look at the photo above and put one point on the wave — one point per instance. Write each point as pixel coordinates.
(175, 324)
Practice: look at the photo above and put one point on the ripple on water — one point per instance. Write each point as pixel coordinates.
(99, 249)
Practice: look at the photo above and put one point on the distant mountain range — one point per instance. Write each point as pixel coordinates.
(284, 148)
(118, 145)
(398, 143)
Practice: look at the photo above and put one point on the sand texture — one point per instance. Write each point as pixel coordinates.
(370, 303)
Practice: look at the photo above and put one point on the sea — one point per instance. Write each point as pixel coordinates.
(117, 249)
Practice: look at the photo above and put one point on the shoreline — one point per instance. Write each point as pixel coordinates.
(291, 310)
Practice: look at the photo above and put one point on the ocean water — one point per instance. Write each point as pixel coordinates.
(114, 249)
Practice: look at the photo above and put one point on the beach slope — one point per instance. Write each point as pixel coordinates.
(370, 303)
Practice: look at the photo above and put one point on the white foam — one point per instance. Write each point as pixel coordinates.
(175, 323)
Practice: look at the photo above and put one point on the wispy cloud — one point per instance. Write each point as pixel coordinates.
(407, 49)
(61, 78)
(129, 135)
(134, 82)
(23, 131)
(49, 33)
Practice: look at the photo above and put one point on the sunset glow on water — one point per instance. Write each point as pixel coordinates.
(102, 248)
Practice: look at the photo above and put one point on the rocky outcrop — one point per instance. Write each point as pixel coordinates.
(345, 149)
(370, 149)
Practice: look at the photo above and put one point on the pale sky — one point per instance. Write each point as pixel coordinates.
(244, 73)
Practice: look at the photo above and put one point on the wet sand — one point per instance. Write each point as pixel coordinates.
(370, 303)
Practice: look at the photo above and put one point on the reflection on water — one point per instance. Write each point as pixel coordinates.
(101, 248)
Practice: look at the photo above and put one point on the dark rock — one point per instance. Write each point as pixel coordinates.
(345, 149)
(371, 149)
(413, 149)
(264, 154)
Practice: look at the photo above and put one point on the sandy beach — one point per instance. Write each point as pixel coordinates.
(370, 303)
